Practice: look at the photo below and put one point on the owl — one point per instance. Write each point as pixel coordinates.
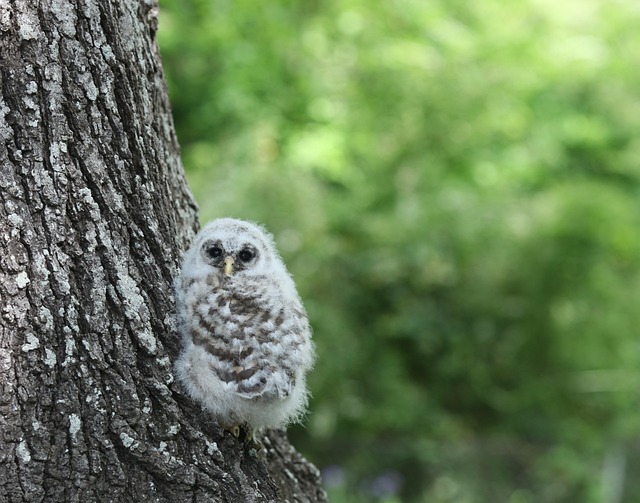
(246, 339)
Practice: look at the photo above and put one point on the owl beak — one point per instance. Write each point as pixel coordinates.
(228, 266)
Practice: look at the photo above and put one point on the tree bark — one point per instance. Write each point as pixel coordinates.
(94, 216)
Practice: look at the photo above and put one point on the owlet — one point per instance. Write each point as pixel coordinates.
(247, 341)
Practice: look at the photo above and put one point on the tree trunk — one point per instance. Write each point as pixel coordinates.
(94, 216)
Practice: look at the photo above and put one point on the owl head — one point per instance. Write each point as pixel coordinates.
(234, 247)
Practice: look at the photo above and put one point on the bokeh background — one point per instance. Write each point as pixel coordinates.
(455, 187)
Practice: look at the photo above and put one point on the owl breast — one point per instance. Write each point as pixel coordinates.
(252, 335)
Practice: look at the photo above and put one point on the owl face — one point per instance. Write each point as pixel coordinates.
(234, 247)
(230, 259)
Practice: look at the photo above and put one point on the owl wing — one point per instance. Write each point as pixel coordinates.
(270, 370)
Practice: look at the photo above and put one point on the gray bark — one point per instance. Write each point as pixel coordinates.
(94, 216)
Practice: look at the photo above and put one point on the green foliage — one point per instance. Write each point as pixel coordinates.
(456, 189)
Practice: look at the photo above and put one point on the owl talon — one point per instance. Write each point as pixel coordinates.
(253, 443)
(257, 449)
(234, 429)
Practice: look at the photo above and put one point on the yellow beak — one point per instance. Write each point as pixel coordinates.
(228, 266)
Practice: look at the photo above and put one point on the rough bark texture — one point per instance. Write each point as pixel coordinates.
(94, 216)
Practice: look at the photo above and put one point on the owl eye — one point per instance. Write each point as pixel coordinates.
(246, 255)
(215, 252)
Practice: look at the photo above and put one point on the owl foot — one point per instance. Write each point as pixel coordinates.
(252, 442)
(234, 429)
(245, 434)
